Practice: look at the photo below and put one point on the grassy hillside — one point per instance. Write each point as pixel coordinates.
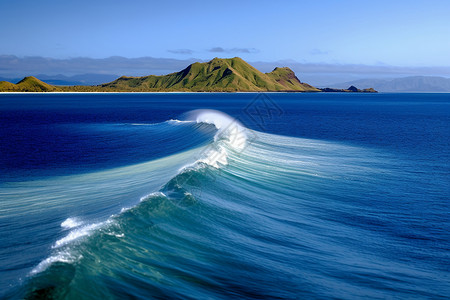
(217, 75)
(286, 77)
(28, 84)
(6, 86)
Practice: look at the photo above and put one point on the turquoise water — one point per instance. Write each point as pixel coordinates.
(268, 196)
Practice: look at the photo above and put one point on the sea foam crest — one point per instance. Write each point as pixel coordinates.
(65, 254)
(178, 122)
(70, 223)
(62, 256)
(154, 194)
(230, 134)
(77, 233)
(171, 121)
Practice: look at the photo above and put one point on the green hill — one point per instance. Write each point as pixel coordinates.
(28, 84)
(217, 75)
(6, 86)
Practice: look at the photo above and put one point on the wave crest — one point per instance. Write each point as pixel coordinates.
(231, 135)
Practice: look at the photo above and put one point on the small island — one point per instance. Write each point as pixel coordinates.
(351, 89)
(217, 75)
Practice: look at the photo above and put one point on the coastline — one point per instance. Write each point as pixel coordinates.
(181, 92)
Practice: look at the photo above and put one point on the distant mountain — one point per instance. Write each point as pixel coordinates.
(403, 85)
(10, 79)
(81, 79)
(217, 75)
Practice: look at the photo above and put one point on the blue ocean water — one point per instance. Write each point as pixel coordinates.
(217, 196)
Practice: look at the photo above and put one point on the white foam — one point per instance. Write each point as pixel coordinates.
(76, 234)
(71, 223)
(175, 121)
(171, 121)
(67, 254)
(228, 127)
(214, 157)
(124, 209)
(231, 134)
(62, 256)
(161, 194)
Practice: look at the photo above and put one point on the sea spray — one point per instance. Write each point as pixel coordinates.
(70, 223)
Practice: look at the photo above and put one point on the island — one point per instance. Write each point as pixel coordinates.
(217, 75)
(351, 89)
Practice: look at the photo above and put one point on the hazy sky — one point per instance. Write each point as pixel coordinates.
(393, 32)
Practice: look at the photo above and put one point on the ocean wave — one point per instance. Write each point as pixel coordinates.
(231, 135)
(230, 139)
(250, 215)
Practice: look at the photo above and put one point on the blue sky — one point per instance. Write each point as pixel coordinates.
(395, 33)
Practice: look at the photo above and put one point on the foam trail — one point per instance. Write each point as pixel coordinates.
(178, 122)
(171, 121)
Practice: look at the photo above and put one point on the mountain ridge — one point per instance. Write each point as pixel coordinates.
(217, 75)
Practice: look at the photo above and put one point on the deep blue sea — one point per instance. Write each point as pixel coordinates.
(219, 196)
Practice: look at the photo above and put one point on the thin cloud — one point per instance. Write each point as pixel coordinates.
(217, 50)
(244, 50)
(233, 50)
(181, 51)
(316, 51)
